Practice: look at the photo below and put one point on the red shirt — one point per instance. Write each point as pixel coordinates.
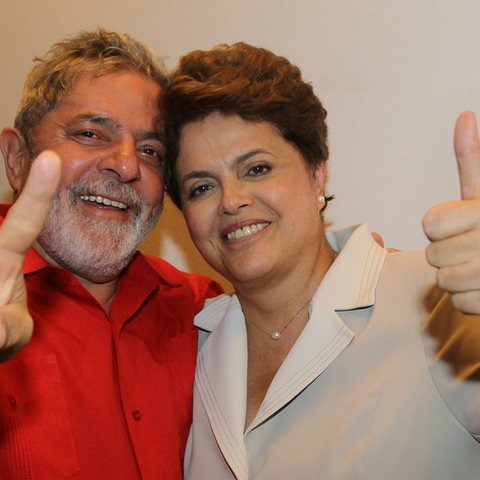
(97, 395)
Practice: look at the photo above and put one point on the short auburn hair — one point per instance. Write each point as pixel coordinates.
(247, 81)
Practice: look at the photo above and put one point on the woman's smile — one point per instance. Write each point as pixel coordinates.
(246, 231)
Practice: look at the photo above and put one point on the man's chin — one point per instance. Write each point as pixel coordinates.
(98, 256)
(102, 274)
(95, 265)
(93, 249)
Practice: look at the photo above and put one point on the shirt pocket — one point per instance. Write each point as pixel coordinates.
(36, 440)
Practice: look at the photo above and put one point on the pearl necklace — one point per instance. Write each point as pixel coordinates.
(276, 335)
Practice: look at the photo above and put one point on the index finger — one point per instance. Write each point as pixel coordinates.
(27, 215)
(467, 151)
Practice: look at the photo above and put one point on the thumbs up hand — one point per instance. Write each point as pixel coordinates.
(454, 227)
(19, 230)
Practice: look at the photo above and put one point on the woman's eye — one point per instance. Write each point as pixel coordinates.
(258, 170)
(200, 190)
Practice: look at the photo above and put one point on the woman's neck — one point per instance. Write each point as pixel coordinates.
(272, 305)
(275, 316)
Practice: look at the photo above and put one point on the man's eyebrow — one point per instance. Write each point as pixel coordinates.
(103, 120)
(93, 118)
(237, 160)
(152, 135)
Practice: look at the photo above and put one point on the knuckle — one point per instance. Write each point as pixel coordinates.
(431, 252)
(467, 302)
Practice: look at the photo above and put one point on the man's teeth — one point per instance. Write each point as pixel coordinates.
(245, 231)
(103, 201)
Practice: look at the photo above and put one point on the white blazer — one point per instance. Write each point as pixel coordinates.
(374, 388)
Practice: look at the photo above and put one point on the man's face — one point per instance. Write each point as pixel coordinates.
(112, 185)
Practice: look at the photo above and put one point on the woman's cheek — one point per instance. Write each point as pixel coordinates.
(195, 221)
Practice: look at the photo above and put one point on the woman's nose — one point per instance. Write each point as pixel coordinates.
(234, 198)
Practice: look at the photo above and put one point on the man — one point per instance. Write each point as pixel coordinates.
(103, 388)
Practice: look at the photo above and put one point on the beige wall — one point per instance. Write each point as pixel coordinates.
(393, 75)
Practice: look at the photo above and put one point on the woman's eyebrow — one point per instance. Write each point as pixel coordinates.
(249, 154)
(196, 174)
(243, 157)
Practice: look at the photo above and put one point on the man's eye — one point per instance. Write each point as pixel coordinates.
(87, 137)
(88, 134)
(151, 152)
(151, 156)
(258, 170)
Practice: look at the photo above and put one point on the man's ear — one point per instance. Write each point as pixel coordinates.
(16, 156)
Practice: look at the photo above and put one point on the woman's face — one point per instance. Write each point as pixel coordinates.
(249, 199)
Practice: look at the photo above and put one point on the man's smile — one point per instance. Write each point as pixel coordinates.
(103, 201)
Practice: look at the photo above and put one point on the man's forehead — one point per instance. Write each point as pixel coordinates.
(105, 98)
(90, 81)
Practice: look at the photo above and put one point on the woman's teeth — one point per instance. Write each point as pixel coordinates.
(245, 231)
(103, 201)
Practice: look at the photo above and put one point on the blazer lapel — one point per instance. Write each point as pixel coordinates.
(221, 382)
(325, 336)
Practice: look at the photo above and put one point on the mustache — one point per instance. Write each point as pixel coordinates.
(110, 188)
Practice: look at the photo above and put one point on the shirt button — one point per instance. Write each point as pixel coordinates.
(12, 402)
(64, 281)
(137, 416)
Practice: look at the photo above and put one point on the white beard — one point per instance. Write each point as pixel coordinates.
(97, 250)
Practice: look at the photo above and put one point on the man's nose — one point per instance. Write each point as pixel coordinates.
(122, 162)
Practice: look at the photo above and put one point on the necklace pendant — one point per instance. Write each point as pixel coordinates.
(276, 335)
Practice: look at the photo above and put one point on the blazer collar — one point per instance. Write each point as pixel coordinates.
(363, 259)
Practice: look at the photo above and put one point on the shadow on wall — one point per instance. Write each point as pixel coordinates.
(171, 241)
(6, 197)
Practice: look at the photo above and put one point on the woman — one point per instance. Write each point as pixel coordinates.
(332, 360)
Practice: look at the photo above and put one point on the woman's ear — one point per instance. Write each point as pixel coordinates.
(319, 176)
(16, 156)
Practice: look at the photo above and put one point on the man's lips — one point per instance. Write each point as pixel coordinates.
(246, 230)
(104, 201)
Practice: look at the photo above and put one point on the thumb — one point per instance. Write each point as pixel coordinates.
(467, 151)
(27, 215)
